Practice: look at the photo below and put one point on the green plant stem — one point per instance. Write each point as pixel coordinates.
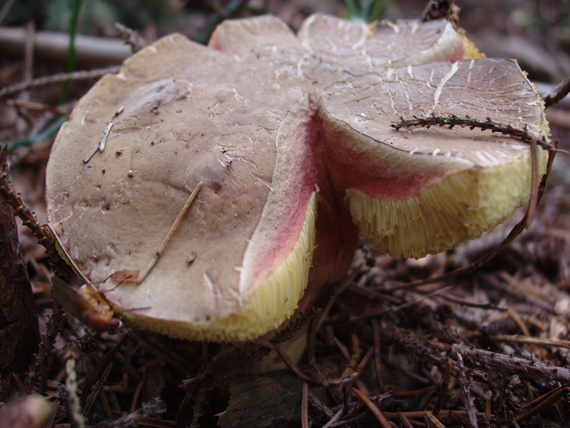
(70, 65)
(364, 10)
(52, 130)
(210, 25)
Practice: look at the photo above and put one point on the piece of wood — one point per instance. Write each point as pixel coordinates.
(54, 46)
(273, 400)
(19, 332)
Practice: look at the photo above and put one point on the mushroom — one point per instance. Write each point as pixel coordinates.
(292, 141)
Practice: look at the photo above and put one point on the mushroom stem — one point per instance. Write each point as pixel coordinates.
(135, 276)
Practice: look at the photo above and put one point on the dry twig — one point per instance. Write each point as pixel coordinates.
(57, 78)
(466, 394)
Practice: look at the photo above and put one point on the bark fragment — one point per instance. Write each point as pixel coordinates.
(19, 333)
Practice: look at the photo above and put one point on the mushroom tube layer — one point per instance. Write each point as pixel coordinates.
(452, 211)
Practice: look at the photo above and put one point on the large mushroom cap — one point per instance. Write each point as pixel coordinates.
(292, 141)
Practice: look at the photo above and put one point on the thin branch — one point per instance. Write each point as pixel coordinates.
(377, 354)
(277, 349)
(432, 420)
(452, 120)
(148, 410)
(533, 341)
(488, 306)
(98, 373)
(69, 393)
(9, 90)
(6, 9)
(557, 93)
(528, 368)
(38, 367)
(443, 388)
(305, 407)
(541, 403)
(38, 106)
(466, 394)
(334, 418)
(41, 232)
(131, 37)
(96, 390)
(372, 407)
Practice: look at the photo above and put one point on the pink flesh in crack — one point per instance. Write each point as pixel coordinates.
(384, 180)
(316, 152)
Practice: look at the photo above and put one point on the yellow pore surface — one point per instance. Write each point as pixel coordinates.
(455, 210)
